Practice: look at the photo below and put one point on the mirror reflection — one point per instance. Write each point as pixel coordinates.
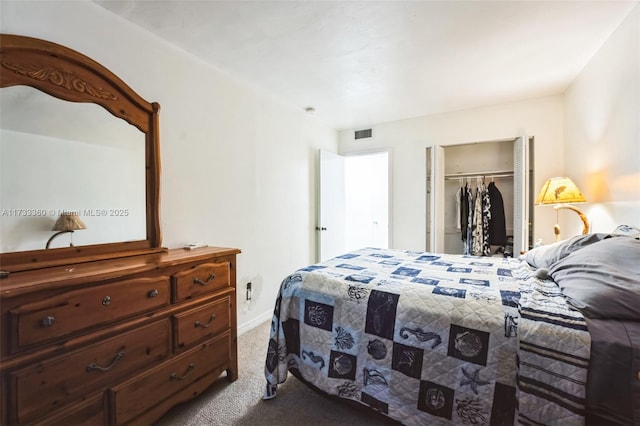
(59, 157)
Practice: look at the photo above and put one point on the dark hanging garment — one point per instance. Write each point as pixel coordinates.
(464, 212)
(497, 226)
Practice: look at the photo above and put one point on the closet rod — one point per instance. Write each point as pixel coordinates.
(494, 174)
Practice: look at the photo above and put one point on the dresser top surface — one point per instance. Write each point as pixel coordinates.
(26, 281)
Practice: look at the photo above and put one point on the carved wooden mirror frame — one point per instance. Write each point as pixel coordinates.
(69, 75)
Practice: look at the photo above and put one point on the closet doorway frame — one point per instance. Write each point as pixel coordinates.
(523, 191)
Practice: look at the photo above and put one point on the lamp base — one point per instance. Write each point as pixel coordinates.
(585, 222)
(55, 235)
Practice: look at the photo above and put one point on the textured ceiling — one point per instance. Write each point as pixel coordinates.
(359, 63)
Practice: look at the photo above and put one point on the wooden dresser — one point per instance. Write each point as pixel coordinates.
(116, 341)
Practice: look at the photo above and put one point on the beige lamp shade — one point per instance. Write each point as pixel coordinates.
(68, 221)
(559, 190)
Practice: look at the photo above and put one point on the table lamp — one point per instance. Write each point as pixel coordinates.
(67, 222)
(561, 192)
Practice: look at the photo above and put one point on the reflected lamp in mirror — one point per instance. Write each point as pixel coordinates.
(561, 193)
(67, 222)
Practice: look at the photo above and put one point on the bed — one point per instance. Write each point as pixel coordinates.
(428, 338)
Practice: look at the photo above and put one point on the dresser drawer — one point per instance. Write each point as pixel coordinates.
(201, 279)
(44, 387)
(145, 391)
(80, 309)
(201, 323)
(90, 412)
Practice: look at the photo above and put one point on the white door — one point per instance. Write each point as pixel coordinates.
(331, 225)
(435, 199)
(521, 195)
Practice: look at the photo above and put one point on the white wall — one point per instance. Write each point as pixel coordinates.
(541, 118)
(238, 166)
(602, 130)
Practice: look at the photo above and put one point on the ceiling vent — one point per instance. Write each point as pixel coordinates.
(363, 134)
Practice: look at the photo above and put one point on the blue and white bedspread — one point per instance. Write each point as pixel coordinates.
(432, 339)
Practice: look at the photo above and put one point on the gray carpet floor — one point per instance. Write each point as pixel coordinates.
(240, 402)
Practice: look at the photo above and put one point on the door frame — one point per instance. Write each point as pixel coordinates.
(319, 226)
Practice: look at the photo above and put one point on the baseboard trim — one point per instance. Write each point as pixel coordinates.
(254, 322)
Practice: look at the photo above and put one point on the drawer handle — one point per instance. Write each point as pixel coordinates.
(48, 321)
(212, 276)
(152, 293)
(199, 324)
(94, 366)
(174, 376)
(106, 301)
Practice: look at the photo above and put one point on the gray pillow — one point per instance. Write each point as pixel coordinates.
(545, 256)
(603, 279)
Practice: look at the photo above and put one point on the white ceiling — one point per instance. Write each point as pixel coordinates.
(359, 63)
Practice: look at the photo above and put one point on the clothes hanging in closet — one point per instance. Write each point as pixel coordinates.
(481, 214)
(497, 225)
(469, 228)
(480, 218)
(486, 218)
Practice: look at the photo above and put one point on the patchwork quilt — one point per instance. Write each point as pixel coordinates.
(432, 339)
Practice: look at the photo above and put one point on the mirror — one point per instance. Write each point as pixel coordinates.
(73, 138)
(107, 194)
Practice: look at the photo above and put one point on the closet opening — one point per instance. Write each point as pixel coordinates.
(480, 197)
